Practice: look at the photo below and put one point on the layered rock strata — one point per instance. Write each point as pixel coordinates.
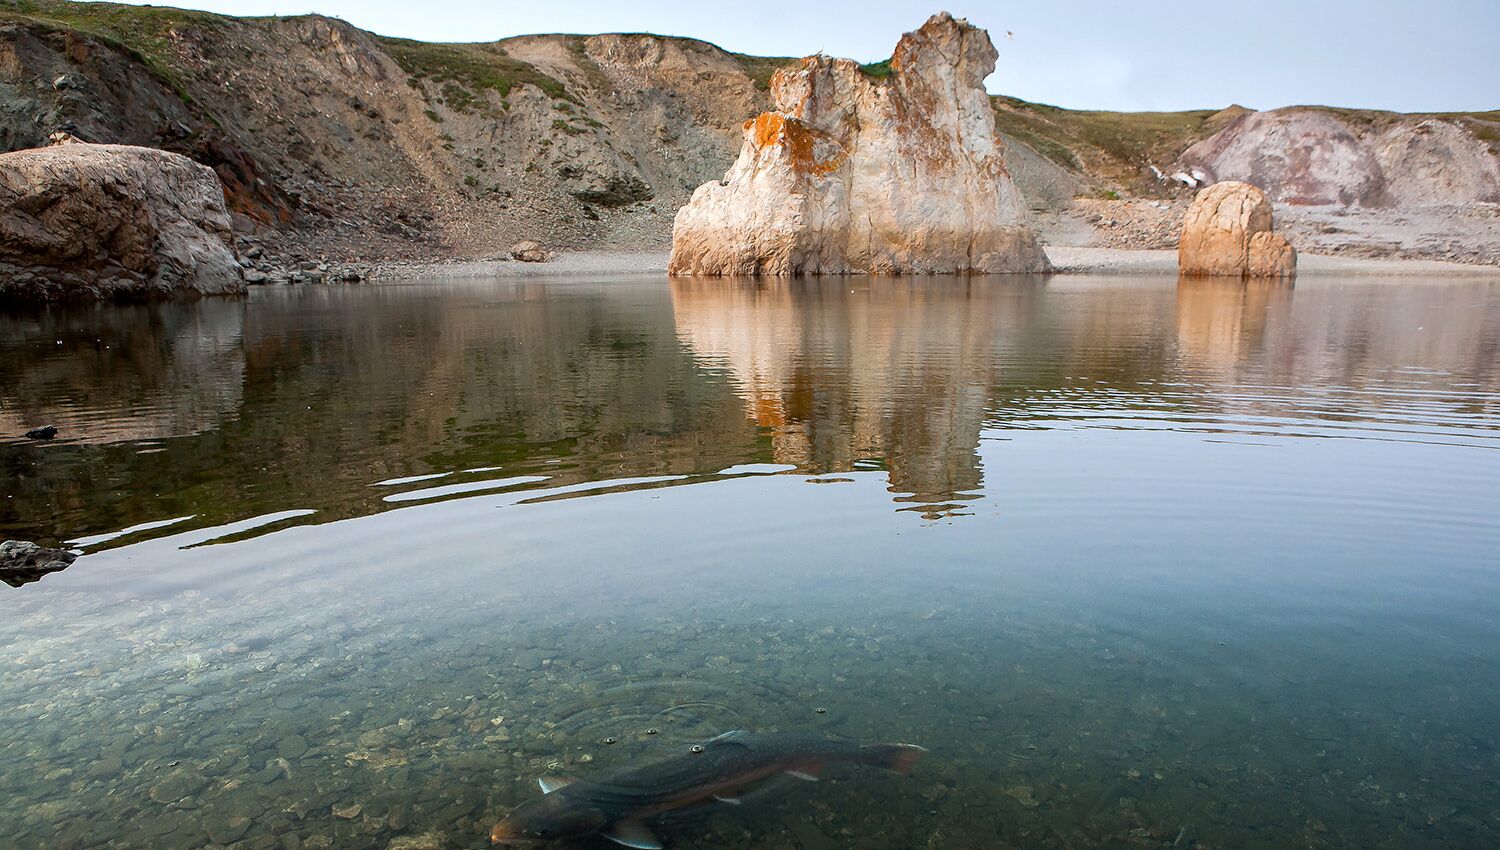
(852, 173)
(1228, 232)
(81, 221)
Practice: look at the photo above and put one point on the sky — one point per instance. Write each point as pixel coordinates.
(1406, 55)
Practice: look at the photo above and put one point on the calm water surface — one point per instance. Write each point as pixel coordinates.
(1143, 565)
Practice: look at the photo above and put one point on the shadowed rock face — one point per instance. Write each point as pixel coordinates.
(81, 221)
(1228, 232)
(854, 174)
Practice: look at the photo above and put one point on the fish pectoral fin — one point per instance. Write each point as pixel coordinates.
(735, 737)
(633, 833)
(552, 783)
(803, 775)
(731, 799)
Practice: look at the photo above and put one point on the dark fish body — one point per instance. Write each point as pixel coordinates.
(615, 802)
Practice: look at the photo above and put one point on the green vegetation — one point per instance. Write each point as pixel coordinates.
(465, 70)
(879, 70)
(433, 116)
(760, 68)
(459, 98)
(143, 32)
(577, 45)
(1114, 144)
(564, 127)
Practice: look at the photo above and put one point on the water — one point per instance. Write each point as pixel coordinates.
(1143, 565)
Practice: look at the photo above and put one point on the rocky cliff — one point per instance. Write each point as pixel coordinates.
(902, 175)
(333, 140)
(80, 221)
(329, 136)
(1313, 156)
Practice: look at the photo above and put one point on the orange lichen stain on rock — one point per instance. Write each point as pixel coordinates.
(797, 139)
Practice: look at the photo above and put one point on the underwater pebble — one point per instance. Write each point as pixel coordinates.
(292, 746)
(176, 785)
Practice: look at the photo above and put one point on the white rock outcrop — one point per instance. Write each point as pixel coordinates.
(82, 221)
(852, 173)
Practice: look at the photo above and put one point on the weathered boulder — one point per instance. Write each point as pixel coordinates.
(81, 221)
(529, 252)
(852, 173)
(22, 561)
(1227, 231)
(1271, 256)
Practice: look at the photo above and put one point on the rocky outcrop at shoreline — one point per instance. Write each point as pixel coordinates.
(1228, 232)
(854, 174)
(81, 221)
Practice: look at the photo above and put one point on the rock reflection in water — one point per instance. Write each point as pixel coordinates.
(306, 398)
(843, 371)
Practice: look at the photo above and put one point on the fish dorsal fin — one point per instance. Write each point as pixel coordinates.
(633, 833)
(738, 736)
(552, 783)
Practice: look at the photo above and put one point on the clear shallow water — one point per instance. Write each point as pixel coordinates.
(1142, 565)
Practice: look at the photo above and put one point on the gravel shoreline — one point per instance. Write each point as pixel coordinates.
(1067, 260)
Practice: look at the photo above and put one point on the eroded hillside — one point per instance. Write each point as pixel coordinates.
(365, 146)
(384, 145)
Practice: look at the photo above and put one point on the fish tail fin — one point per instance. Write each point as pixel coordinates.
(897, 758)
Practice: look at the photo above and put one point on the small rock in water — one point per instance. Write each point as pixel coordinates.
(292, 746)
(229, 830)
(427, 841)
(176, 785)
(46, 432)
(22, 561)
(349, 812)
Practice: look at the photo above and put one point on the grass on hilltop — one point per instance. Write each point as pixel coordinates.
(144, 32)
(462, 71)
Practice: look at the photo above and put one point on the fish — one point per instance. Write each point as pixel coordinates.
(616, 803)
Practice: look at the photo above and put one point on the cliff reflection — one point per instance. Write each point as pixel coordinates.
(305, 398)
(896, 373)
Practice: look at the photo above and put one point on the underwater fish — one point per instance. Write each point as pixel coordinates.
(616, 803)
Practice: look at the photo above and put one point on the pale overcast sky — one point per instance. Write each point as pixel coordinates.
(1409, 55)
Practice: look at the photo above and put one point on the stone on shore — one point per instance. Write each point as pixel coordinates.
(529, 252)
(82, 221)
(1271, 256)
(22, 561)
(1228, 232)
(857, 174)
